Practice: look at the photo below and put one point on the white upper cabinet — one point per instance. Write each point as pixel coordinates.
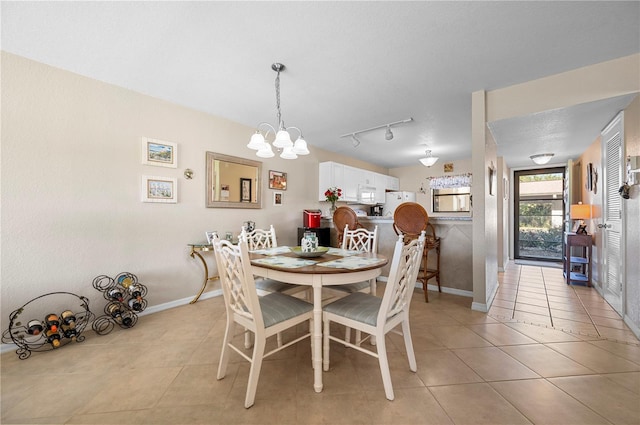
(351, 179)
(331, 174)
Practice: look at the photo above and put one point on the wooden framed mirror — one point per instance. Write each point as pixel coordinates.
(233, 182)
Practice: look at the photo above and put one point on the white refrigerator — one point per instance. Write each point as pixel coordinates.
(393, 199)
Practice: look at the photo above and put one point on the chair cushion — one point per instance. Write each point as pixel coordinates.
(277, 307)
(351, 288)
(357, 306)
(270, 285)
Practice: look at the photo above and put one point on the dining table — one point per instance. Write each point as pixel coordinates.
(327, 267)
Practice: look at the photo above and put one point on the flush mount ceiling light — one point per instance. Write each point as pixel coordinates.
(388, 135)
(541, 158)
(282, 138)
(428, 160)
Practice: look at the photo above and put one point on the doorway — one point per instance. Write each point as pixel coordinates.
(538, 214)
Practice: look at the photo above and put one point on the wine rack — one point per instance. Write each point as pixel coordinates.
(126, 298)
(32, 329)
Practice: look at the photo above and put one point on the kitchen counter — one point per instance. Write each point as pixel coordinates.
(455, 234)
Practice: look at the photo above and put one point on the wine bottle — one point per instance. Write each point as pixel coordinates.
(125, 281)
(135, 304)
(136, 291)
(53, 338)
(69, 332)
(34, 327)
(116, 312)
(116, 294)
(68, 318)
(52, 322)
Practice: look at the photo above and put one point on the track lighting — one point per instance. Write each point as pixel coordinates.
(388, 134)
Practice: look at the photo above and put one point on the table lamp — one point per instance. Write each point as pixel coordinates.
(581, 212)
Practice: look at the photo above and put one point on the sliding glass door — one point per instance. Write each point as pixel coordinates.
(539, 212)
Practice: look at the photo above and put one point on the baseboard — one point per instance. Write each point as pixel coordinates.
(446, 290)
(632, 326)
(5, 348)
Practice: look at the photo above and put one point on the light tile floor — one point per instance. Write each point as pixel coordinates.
(517, 364)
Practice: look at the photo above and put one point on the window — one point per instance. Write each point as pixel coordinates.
(454, 199)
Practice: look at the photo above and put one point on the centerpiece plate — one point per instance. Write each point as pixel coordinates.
(321, 250)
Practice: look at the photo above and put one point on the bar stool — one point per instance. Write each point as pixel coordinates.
(410, 218)
(343, 216)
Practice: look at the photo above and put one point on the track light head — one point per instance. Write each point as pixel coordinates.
(388, 134)
(355, 140)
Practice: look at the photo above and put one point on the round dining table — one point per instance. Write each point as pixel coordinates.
(336, 267)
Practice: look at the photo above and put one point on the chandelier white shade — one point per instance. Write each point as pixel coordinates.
(541, 158)
(282, 137)
(428, 160)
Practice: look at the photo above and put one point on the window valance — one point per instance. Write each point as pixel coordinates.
(445, 182)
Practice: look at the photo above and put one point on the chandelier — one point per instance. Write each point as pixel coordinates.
(282, 138)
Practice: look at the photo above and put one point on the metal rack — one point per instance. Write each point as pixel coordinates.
(33, 312)
(126, 298)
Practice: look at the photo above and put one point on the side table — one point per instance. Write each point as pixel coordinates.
(580, 260)
(196, 249)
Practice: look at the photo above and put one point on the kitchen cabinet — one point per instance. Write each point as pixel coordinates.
(352, 176)
(577, 258)
(393, 183)
(350, 179)
(331, 174)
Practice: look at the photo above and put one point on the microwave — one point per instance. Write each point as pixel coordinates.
(367, 195)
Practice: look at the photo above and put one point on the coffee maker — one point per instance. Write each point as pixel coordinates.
(376, 210)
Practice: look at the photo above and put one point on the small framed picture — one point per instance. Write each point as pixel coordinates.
(277, 199)
(159, 189)
(245, 190)
(277, 180)
(159, 153)
(210, 236)
(448, 167)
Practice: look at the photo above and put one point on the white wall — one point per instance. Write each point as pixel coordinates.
(632, 211)
(71, 177)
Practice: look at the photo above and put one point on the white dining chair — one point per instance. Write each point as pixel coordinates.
(379, 316)
(362, 240)
(359, 239)
(264, 316)
(263, 239)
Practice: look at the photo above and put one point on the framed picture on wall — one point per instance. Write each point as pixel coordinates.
(245, 190)
(159, 189)
(277, 180)
(277, 199)
(159, 153)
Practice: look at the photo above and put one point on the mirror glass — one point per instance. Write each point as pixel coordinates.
(455, 199)
(233, 182)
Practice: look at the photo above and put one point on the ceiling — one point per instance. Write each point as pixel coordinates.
(350, 65)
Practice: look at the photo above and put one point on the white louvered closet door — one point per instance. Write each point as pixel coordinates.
(612, 214)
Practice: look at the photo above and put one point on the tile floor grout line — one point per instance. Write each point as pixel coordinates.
(546, 296)
(515, 301)
(587, 311)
